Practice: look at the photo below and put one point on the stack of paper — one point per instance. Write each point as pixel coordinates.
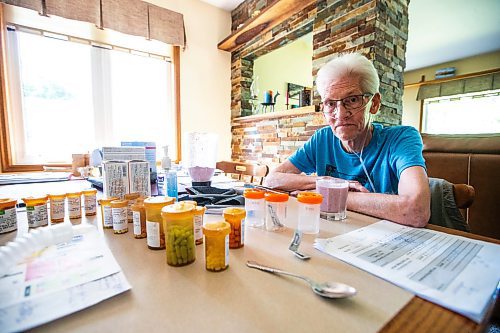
(57, 281)
(455, 272)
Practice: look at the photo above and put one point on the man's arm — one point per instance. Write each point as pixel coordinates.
(288, 177)
(411, 206)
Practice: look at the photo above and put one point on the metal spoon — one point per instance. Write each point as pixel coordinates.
(327, 289)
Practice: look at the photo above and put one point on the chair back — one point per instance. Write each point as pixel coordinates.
(252, 173)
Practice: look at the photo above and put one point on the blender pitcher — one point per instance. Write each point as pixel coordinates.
(202, 157)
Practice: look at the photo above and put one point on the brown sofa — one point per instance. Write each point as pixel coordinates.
(473, 160)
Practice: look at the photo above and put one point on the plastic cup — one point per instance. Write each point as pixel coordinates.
(334, 192)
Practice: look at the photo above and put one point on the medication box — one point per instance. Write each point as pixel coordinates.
(139, 179)
(116, 182)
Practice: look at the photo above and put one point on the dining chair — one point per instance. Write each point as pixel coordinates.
(464, 195)
(247, 172)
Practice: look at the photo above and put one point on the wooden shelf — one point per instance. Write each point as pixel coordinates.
(277, 12)
(276, 114)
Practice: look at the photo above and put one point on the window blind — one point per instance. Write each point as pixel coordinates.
(460, 86)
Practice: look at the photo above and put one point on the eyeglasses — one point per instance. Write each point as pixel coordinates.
(330, 107)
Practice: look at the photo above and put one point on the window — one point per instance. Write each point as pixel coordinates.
(472, 113)
(67, 96)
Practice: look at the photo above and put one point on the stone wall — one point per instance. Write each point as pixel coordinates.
(376, 28)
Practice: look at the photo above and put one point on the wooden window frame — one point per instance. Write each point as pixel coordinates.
(6, 153)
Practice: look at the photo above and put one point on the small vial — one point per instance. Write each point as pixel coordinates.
(74, 204)
(57, 207)
(198, 224)
(309, 204)
(154, 222)
(106, 214)
(8, 215)
(236, 218)
(255, 206)
(276, 207)
(131, 197)
(216, 246)
(139, 218)
(89, 201)
(36, 209)
(119, 212)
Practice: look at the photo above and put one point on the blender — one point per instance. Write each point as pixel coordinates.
(201, 157)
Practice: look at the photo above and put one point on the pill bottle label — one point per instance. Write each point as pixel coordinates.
(119, 218)
(153, 233)
(8, 220)
(130, 216)
(57, 209)
(198, 228)
(37, 215)
(90, 204)
(226, 249)
(74, 207)
(108, 217)
(136, 217)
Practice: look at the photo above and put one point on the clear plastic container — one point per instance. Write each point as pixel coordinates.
(276, 210)
(236, 218)
(106, 214)
(216, 246)
(89, 201)
(255, 206)
(119, 213)
(8, 215)
(202, 156)
(57, 207)
(36, 209)
(74, 204)
(309, 204)
(139, 218)
(154, 223)
(131, 198)
(179, 233)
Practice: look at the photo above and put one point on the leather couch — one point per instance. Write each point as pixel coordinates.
(472, 160)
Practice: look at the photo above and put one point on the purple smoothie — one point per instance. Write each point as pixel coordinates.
(201, 174)
(334, 192)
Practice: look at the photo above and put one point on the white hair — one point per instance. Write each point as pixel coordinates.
(349, 64)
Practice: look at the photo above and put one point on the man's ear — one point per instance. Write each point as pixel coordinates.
(375, 103)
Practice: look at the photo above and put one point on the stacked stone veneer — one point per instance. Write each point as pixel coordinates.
(376, 28)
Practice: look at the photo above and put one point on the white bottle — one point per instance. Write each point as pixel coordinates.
(162, 175)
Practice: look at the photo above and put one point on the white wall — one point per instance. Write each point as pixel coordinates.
(205, 72)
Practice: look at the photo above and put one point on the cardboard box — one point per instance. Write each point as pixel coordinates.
(139, 178)
(115, 179)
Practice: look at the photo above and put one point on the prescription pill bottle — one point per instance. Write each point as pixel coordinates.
(131, 197)
(106, 214)
(119, 213)
(89, 201)
(139, 218)
(74, 204)
(8, 216)
(255, 207)
(276, 207)
(309, 204)
(198, 224)
(57, 207)
(36, 209)
(179, 233)
(216, 245)
(236, 218)
(154, 222)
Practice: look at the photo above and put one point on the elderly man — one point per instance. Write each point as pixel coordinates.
(384, 165)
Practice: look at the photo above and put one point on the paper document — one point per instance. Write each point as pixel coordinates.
(455, 272)
(57, 281)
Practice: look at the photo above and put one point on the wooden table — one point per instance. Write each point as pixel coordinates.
(191, 299)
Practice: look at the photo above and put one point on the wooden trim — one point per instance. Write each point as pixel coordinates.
(275, 13)
(177, 96)
(420, 121)
(277, 114)
(5, 153)
(460, 77)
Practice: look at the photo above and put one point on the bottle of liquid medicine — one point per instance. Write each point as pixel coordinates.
(171, 183)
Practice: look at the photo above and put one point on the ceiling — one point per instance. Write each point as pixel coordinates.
(440, 30)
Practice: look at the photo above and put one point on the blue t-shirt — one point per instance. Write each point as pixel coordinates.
(390, 151)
